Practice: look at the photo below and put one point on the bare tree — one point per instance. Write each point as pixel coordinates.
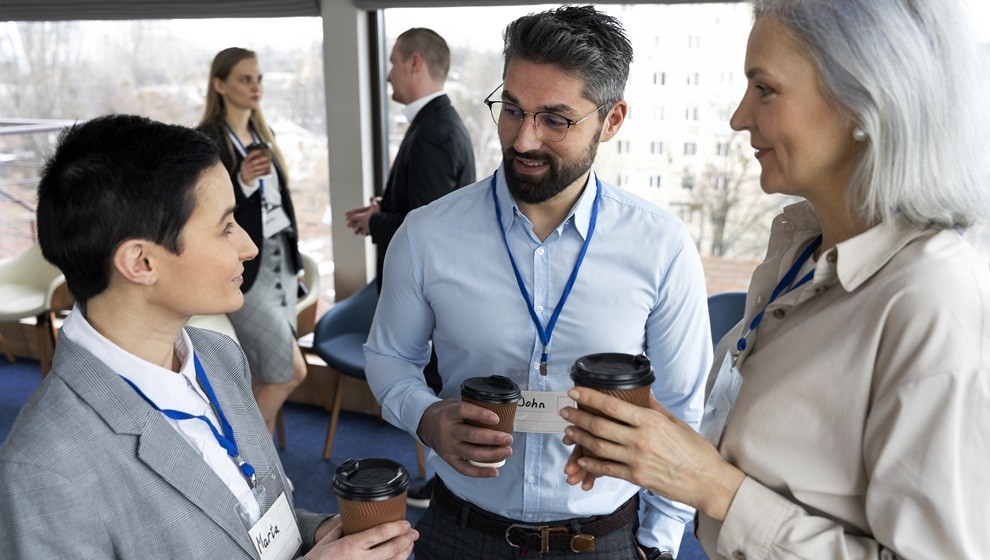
(735, 213)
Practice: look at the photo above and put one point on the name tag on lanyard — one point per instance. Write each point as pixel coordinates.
(276, 535)
(721, 400)
(539, 412)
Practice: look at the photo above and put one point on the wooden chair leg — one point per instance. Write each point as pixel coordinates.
(338, 401)
(6, 351)
(280, 429)
(421, 459)
(46, 342)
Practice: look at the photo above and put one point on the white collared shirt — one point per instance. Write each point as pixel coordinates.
(170, 390)
(413, 109)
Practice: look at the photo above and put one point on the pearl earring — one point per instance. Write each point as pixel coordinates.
(859, 134)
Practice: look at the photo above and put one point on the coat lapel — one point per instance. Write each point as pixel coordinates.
(160, 447)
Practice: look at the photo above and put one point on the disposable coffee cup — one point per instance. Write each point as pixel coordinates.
(370, 492)
(496, 393)
(623, 376)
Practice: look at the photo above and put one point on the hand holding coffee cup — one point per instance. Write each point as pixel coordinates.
(498, 394)
(370, 492)
(623, 376)
(257, 162)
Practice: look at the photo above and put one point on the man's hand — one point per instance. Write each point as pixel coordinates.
(390, 541)
(358, 219)
(443, 429)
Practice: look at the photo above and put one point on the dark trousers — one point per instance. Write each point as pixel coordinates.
(443, 536)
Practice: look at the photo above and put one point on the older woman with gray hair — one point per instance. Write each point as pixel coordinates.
(848, 414)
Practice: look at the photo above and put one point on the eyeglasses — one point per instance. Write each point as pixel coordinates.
(550, 127)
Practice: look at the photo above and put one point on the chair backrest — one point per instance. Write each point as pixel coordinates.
(725, 310)
(29, 268)
(218, 323)
(306, 305)
(351, 314)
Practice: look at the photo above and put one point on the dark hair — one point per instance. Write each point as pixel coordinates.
(579, 40)
(111, 179)
(431, 46)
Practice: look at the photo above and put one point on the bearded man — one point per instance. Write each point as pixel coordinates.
(521, 274)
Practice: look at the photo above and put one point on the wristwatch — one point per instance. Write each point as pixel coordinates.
(654, 553)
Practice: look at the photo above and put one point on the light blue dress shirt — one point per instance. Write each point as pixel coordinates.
(447, 277)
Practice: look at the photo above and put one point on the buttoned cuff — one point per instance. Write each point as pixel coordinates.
(754, 521)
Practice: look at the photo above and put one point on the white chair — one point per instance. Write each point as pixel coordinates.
(306, 305)
(30, 286)
(218, 323)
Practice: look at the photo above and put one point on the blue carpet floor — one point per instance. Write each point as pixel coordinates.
(358, 436)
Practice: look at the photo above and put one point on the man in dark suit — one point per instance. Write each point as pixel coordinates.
(435, 157)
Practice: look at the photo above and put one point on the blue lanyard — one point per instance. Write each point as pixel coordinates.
(254, 136)
(226, 440)
(785, 285)
(547, 333)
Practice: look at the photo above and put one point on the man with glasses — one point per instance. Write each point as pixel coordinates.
(521, 274)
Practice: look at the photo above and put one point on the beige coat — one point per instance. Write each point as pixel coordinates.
(863, 422)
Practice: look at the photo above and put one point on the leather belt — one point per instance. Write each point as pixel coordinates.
(577, 535)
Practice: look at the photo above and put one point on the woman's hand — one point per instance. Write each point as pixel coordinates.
(257, 163)
(389, 541)
(655, 450)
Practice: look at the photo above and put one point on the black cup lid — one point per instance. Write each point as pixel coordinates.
(496, 389)
(613, 371)
(370, 480)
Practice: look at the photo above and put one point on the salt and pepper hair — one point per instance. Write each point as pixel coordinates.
(429, 45)
(909, 73)
(579, 40)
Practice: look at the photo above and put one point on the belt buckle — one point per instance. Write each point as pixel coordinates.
(579, 543)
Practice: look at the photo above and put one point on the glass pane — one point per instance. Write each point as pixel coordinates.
(73, 71)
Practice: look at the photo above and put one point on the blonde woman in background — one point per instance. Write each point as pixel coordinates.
(266, 324)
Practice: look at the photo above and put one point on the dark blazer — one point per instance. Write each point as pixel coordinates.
(90, 470)
(248, 213)
(435, 157)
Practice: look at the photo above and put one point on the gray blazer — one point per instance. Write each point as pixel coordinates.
(90, 470)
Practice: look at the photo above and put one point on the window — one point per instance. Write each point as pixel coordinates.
(655, 181)
(722, 148)
(687, 182)
(656, 148)
(158, 68)
(694, 41)
(623, 146)
(691, 114)
(659, 78)
(692, 79)
(690, 148)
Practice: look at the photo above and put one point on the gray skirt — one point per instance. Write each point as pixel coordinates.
(266, 324)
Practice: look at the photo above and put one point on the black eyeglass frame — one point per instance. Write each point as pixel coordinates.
(570, 122)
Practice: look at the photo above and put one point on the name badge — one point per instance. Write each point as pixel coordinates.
(275, 221)
(538, 412)
(721, 400)
(276, 535)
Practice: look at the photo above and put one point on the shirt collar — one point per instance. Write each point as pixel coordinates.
(413, 109)
(579, 215)
(163, 386)
(856, 259)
